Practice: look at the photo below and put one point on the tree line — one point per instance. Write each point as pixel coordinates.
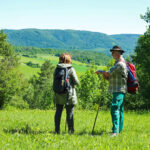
(83, 56)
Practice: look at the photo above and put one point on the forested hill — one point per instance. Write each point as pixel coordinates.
(127, 41)
(71, 39)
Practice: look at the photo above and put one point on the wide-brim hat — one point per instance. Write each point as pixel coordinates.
(117, 48)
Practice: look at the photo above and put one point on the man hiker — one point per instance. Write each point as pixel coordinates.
(117, 77)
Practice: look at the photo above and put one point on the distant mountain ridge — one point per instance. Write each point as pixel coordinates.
(71, 39)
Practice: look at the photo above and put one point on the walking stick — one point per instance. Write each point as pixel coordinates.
(98, 108)
(66, 123)
(67, 103)
(95, 119)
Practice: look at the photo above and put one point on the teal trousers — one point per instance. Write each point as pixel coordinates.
(117, 112)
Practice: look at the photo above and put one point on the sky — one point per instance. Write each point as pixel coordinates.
(105, 16)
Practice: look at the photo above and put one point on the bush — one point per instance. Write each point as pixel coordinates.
(136, 102)
(16, 102)
(93, 90)
(31, 64)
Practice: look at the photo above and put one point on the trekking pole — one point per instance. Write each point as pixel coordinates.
(98, 108)
(95, 119)
(68, 86)
(66, 124)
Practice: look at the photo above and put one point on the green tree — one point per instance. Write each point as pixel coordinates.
(146, 17)
(42, 85)
(93, 90)
(142, 60)
(11, 83)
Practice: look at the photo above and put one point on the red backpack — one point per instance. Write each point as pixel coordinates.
(132, 83)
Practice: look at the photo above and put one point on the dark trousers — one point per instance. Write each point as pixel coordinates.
(70, 121)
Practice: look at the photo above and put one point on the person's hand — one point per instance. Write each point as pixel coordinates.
(97, 72)
(106, 75)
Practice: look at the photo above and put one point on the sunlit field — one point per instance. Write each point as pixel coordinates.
(34, 129)
(29, 71)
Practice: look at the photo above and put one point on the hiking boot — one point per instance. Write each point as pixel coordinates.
(113, 134)
(57, 131)
(71, 131)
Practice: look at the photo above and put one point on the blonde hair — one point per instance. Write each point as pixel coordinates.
(65, 58)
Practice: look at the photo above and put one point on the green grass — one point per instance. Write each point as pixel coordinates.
(33, 129)
(28, 71)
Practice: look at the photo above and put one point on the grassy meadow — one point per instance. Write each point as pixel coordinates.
(40, 59)
(34, 129)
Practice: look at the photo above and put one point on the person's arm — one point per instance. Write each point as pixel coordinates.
(99, 71)
(74, 77)
(105, 74)
(115, 69)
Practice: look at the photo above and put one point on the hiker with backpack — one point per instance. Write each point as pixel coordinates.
(65, 79)
(117, 77)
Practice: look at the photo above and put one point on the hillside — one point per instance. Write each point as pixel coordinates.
(30, 70)
(128, 41)
(83, 56)
(70, 39)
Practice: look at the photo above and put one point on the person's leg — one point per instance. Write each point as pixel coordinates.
(121, 117)
(58, 114)
(115, 111)
(69, 110)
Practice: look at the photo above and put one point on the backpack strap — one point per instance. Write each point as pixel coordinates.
(67, 82)
(123, 61)
(67, 71)
(129, 71)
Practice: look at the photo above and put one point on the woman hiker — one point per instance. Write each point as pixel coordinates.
(68, 97)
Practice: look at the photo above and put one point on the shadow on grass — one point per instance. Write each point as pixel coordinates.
(99, 133)
(26, 130)
(31, 131)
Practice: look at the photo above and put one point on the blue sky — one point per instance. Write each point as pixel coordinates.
(106, 16)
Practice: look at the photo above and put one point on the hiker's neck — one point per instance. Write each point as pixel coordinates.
(118, 57)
